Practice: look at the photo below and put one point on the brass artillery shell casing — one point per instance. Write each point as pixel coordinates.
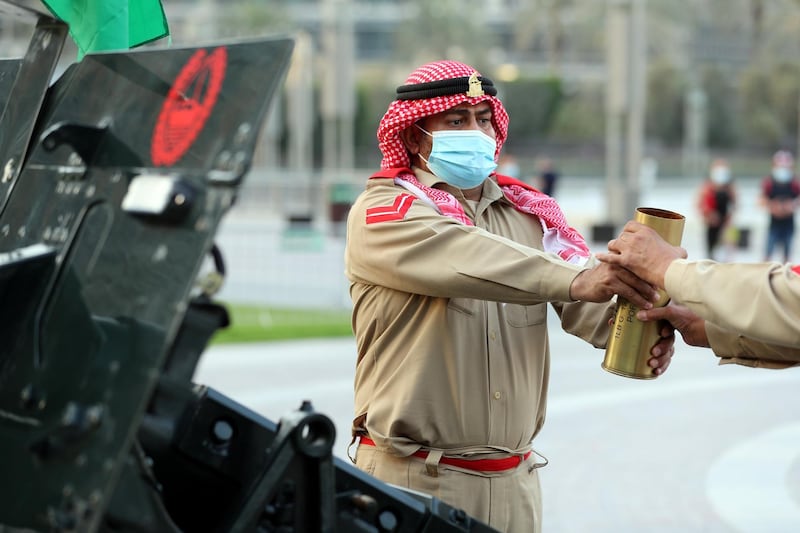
(630, 339)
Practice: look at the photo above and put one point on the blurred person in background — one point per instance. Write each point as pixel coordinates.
(716, 202)
(547, 176)
(451, 267)
(779, 195)
(747, 313)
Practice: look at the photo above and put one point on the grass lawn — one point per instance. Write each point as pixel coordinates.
(256, 324)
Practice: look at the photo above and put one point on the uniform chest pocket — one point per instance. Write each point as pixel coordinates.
(520, 316)
(466, 306)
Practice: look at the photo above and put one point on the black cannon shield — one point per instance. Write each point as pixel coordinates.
(114, 180)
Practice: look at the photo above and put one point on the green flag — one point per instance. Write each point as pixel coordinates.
(97, 25)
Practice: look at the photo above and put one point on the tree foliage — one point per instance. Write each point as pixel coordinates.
(723, 110)
(770, 96)
(532, 105)
(666, 89)
(445, 29)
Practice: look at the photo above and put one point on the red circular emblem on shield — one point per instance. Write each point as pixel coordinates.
(188, 105)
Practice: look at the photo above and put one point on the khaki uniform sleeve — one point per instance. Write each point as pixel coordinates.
(426, 253)
(733, 348)
(758, 300)
(587, 320)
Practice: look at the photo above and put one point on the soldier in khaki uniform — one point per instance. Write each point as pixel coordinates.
(450, 274)
(746, 313)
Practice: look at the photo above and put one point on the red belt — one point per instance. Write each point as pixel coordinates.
(483, 465)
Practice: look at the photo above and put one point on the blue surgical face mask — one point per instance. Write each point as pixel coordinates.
(462, 158)
(720, 175)
(782, 174)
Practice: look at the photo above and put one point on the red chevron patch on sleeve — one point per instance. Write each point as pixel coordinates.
(396, 211)
(796, 269)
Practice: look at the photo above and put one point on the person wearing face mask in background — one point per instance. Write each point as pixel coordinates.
(779, 195)
(451, 268)
(716, 202)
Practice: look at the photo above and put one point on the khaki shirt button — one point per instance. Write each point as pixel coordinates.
(492, 335)
(497, 395)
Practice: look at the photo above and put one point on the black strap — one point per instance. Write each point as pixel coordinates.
(431, 89)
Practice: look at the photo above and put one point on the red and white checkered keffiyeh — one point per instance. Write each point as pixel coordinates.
(559, 237)
(404, 113)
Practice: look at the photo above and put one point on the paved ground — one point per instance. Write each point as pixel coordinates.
(701, 449)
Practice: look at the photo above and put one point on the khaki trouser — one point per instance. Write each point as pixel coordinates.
(508, 501)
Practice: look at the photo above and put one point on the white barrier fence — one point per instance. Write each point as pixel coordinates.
(284, 240)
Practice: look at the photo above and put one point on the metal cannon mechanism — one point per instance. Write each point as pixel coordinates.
(114, 177)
